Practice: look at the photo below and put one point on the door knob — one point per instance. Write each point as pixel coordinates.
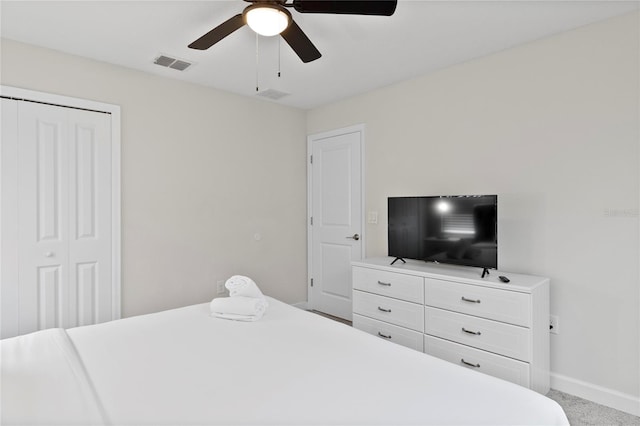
(355, 237)
(48, 254)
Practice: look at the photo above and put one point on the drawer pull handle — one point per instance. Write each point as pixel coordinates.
(469, 364)
(475, 333)
(471, 300)
(383, 283)
(383, 309)
(384, 335)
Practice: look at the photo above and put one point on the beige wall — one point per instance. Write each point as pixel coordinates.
(203, 171)
(552, 127)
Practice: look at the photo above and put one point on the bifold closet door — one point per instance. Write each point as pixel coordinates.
(61, 274)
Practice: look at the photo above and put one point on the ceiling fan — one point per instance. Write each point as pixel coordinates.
(271, 17)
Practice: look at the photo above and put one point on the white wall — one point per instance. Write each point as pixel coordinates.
(552, 127)
(202, 172)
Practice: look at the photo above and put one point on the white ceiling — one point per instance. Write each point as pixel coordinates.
(360, 53)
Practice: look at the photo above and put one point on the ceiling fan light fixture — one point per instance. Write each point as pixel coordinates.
(267, 19)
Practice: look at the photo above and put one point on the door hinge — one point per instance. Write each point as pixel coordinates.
(311, 159)
(311, 282)
(311, 220)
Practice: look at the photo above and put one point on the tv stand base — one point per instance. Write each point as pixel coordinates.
(398, 258)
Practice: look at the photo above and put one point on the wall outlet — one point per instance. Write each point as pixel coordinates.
(554, 324)
(221, 289)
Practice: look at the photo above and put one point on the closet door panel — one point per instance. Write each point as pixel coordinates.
(43, 202)
(9, 272)
(90, 218)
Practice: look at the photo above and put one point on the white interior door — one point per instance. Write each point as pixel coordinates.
(57, 191)
(336, 230)
(90, 218)
(43, 207)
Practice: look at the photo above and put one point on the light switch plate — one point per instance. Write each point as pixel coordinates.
(372, 217)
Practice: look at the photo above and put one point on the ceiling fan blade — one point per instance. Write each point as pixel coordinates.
(300, 43)
(357, 7)
(218, 33)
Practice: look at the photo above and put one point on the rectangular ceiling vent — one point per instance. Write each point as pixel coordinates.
(272, 94)
(169, 62)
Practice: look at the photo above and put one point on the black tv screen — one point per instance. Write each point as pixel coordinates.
(459, 230)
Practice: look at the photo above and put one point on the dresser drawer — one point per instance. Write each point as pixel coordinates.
(392, 333)
(497, 337)
(398, 312)
(485, 362)
(500, 305)
(396, 285)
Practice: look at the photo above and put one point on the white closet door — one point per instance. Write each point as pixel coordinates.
(9, 271)
(64, 217)
(89, 218)
(43, 207)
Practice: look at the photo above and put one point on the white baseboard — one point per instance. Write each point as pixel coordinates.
(601, 395)
(300, 305)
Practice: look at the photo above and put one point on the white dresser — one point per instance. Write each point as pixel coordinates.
(450, 312)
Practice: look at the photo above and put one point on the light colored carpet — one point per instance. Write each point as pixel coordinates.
(582, 412)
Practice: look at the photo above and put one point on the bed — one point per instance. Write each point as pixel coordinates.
(184, 367)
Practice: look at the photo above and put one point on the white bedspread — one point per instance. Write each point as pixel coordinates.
(183, 367)
(44, 382)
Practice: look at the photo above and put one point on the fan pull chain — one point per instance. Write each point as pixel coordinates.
(279, 44)
(257, 62)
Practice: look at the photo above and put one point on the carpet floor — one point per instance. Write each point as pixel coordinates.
(582, 412)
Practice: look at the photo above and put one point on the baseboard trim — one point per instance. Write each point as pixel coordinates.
(301, 305)
(601, 395)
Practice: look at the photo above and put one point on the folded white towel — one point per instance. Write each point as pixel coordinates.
(238, 308)
(239, 285)
(234, 317)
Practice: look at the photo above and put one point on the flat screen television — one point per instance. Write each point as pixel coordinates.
(460, 229)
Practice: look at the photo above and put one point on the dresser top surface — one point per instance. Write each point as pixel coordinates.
(463, 274)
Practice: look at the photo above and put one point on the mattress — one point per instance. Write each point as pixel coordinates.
(184, 367)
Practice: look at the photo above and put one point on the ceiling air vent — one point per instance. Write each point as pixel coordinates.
(176, 64)
(272, 94)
